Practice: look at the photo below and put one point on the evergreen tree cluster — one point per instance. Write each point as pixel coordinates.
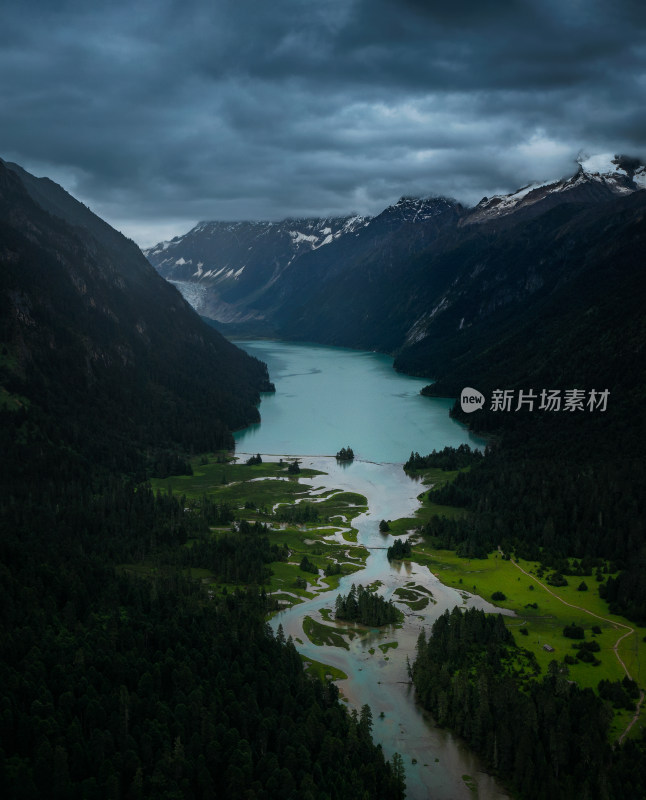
(241, 556)
(622, 694)
(548, 738)
(164, 464)
(366, 607)
(345, 454)
(308, 566)
(299, 513)
(399, 550)
(168, 696)
(121, 677)
(449, 458)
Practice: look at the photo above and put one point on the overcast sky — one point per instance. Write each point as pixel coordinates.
(158, 114)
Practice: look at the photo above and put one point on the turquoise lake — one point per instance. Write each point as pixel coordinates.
(330, 397)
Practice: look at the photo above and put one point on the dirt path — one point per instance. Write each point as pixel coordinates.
(615, 647)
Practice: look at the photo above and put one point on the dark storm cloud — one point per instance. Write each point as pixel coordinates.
(162, 113)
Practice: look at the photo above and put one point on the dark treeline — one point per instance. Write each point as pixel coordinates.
(366, 607)
(547, 509)
(118, 686)
(125, 686)
(345, 454)
(308, 566)
(241, 556)
(165, 464)
(547, 738)
(163, 695)
(449, 458)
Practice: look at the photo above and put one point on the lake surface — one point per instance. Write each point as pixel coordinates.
(327, 398)
(330, 397)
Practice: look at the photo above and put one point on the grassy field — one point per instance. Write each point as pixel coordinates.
(254, 492)
(414, 599)
(545, 622)
(264, 485)
(321, 635)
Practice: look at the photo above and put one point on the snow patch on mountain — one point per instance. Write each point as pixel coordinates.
(639, 178)
(417, 330)
(614, 175)
(298, 237)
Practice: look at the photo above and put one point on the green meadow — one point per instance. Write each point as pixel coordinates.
(541, 614)
(545, 623)
(255, 492)
(322, 671)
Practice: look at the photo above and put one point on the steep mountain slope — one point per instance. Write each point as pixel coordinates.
(93, 339)
(421, 289)
(559, 298)
(303, 279)
(382, 285)
(107, 635)
(358, 291)
(221, 267)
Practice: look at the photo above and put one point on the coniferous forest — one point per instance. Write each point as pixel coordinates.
(567, 493)
(114, 684)
(546, 737)
(118, 686)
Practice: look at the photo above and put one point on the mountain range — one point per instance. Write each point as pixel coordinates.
(423, 272)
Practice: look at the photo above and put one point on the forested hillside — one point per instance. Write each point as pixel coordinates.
(92, 339)
(115, 683)
(563, 488)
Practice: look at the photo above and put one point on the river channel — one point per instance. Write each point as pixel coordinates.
(327, 398)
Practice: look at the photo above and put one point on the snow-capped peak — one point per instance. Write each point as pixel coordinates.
(611, 175)
(611, 167)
